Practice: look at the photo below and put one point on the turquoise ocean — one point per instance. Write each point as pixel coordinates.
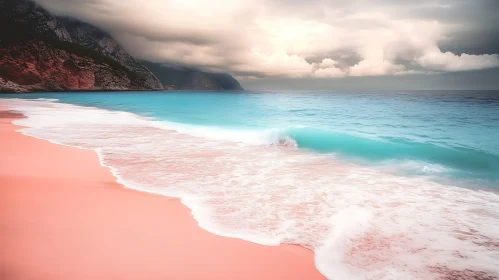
(380, 184)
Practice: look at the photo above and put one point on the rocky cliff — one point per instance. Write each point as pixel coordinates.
(180, 77)
(42, 52)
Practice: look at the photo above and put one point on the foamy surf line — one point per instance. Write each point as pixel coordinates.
(362, 223)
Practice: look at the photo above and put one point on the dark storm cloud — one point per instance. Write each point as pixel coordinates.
(476, 24)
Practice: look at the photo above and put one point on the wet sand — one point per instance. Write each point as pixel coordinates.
(63, 216)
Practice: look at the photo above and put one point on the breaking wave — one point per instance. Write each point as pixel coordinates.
(396, 154)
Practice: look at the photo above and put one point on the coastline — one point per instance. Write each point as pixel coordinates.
(166, 90)
(64, 216)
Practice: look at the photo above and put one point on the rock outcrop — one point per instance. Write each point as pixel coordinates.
(42, 52)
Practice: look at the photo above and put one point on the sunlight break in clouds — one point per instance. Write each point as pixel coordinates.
(293, 39)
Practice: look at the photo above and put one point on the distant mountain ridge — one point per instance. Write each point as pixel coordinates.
(181, 77)
(43, 52)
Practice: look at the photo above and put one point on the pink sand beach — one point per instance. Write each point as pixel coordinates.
(64, 216)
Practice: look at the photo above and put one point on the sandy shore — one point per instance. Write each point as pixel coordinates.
(63, 216)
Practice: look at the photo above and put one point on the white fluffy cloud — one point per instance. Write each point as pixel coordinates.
(327, 69)
(435, 59)
(269, 38)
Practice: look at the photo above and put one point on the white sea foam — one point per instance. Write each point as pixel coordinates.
(362, 222)
(251, 137)
(413, 166)
(47, 99)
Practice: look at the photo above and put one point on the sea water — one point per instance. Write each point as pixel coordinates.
(380, 185)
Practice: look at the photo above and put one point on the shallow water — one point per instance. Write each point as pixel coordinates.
(395, 185)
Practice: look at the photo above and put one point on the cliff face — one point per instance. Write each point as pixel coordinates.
(39, 66)
(41, 52)
(93, 38)
(177, 77)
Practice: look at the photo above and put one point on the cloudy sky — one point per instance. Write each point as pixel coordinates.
(310, 44)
